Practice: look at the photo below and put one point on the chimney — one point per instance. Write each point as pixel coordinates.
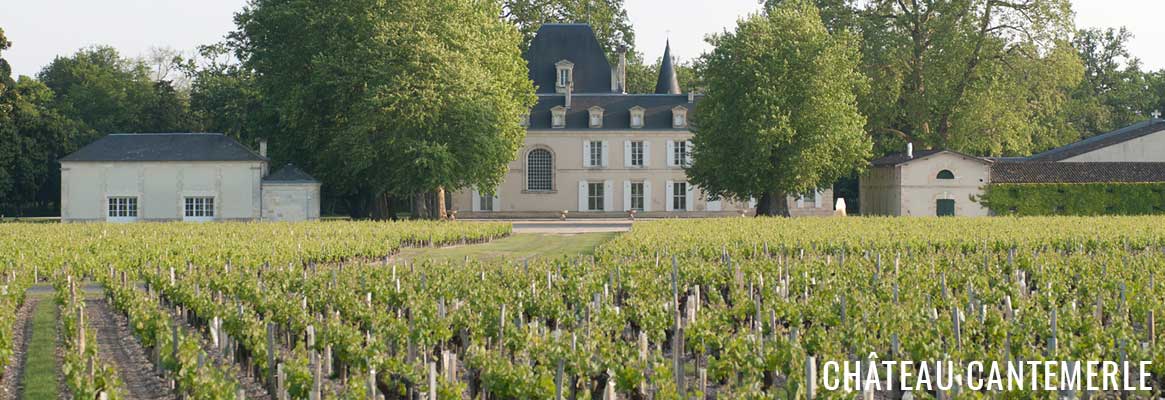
(910, 151)
(263, 148)
(622, 74)
(569, 88)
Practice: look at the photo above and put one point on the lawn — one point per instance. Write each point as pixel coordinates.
(40, 370)
(518, 246)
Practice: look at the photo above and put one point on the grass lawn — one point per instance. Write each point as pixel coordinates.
(40, 371)
(518, 246)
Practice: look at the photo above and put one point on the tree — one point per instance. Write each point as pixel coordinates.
(32, 137)
(780, 114)
(112, 94)
(389, 100)
(942, 71)
(224, 97)
(1113, 91)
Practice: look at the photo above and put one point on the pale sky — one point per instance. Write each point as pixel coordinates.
(43, 29)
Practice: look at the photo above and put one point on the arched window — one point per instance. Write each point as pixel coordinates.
(539, 170)
(946, 174)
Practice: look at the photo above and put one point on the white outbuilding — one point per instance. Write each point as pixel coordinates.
(177, 177)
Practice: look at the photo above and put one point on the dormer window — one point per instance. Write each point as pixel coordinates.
(679, 117)
(637, 117)
(564, 75)
(558, 117)
(596, 117)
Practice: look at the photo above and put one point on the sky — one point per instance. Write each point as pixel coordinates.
(42, 29)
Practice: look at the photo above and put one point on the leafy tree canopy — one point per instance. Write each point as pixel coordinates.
(780, 114)
(394, 98)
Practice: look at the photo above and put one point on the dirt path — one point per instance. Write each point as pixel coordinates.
(13, 375)
(116, 344)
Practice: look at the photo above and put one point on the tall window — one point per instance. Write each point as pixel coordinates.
(539, 170)
(680, 153)
(123, 207)
(637, 154)
(199, 207)
(637, 196)
(486, 202)
(596, 153)
(563, 76)
(946, 174)
(595, 196)
(679, 196)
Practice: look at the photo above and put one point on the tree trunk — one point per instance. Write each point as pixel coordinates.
(420, 205)
(441, 212)
(773, 204)
(381, 207)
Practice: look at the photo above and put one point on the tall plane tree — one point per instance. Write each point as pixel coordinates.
(982, 76)
(390, 99)
(780, 114)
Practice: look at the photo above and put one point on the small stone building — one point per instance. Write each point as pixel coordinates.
(929, 182)
(290, 194)
(178, 177)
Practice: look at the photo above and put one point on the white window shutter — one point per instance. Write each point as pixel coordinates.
(646, 192)
(497, 201)
(687, 153)
(586, 156)
(608, 194)
(817, 199)
(646, 156)
(582, 195)
(476, 200)
(626, 195)
(689, 198)
(626, 153)
(671, 156)
(667, 190)
(801, 201)
(752, 202)
(604, 154)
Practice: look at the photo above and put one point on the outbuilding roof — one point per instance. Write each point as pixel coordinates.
(1077, 172)
(290, 174)
(1101, 141)
(902, 158)
(134, 147)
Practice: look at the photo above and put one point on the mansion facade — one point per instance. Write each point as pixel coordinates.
(593, 150)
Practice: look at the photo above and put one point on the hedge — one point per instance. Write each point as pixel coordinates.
(1026, 199)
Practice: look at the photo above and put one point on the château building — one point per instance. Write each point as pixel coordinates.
(594, 150)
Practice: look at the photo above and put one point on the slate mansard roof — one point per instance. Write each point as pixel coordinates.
(1101, 141)
(132, 147)
(289, 174)
(575, 43)
(657, 111)
(1077, 172)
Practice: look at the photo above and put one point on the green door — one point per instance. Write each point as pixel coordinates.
(946, 207)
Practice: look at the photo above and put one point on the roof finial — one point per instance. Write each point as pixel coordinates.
(1156, 114)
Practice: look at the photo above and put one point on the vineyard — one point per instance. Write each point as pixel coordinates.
(675, 309)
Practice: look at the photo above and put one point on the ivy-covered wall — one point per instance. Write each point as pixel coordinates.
(1074, 198)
